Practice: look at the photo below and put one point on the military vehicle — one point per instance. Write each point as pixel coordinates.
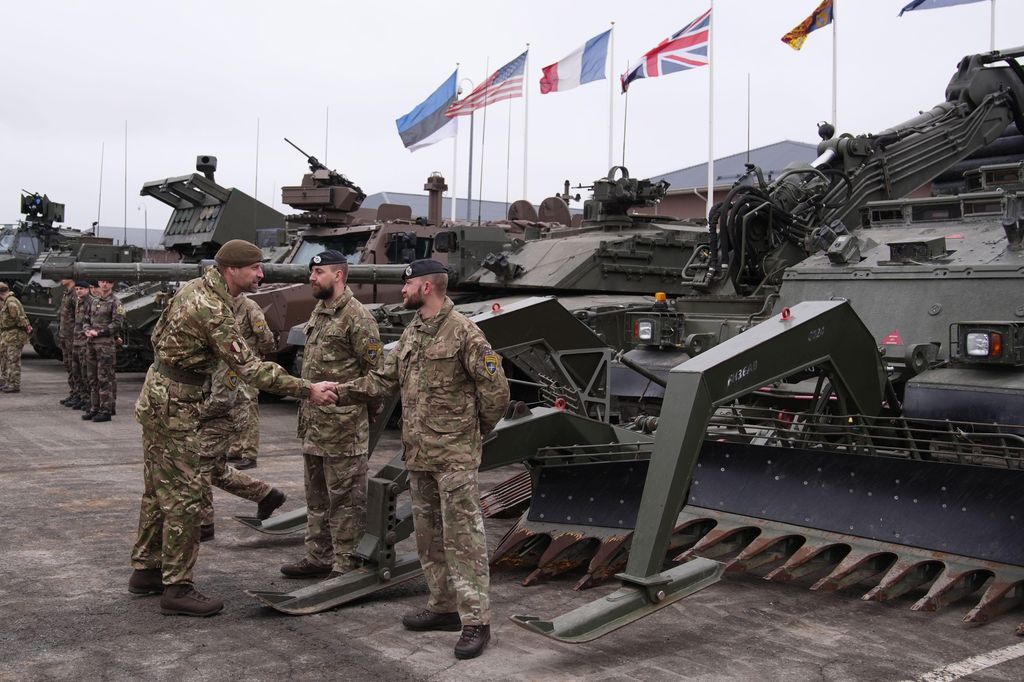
(865, 432)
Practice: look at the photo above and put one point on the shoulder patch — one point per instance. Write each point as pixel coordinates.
(232, 380)
(373, 348)
(259, 326)
(120, 309)
(491, 362)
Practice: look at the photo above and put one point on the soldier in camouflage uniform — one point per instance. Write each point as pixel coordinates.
(195, 332)
(65, 332)
(225, 420)
(79, 373)
(342, 343)
(453, 391)
(14, 331)
(102, 327)
(244, 448)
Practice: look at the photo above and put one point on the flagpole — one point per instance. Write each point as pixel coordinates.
(835, 70)
(526, 118)
(469, 191)
(455, 154)
(483, 145)
(611, 94)
(508, 153)
(992, 29)
(625, 117)
(711, 109)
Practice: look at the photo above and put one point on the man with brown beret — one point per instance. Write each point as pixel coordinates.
(195, 332)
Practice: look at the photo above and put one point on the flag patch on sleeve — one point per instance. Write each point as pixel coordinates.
(491, 363)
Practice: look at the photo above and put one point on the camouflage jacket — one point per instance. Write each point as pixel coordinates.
(12, 316)
(82, 306)
(226, 389)
(106, 316)
(66, 319)
(195, 332)
(342, 343)
(453, 390)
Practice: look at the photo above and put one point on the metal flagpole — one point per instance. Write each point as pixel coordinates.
(508, 153)
(611, 93)
(992, 31)
(99, 202)
(327, 126)
(455, 154)
(256, 179)
(483, 147)
(526, 117)
(125, 182)
(711, 109)
(835, 70)
(625, 117)
(469, 191)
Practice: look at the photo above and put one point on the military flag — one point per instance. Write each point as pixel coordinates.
(820, 18)
(505, 83)
(683, 50)
(585, 64)
(934, 4)
(427, 123)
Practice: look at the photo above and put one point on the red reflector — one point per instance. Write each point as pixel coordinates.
(495, 307)
(786, 313)
(995, 345)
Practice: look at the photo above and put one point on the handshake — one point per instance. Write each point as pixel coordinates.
(324, 393)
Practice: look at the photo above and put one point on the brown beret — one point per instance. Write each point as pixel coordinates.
(238, 253)
(4, 287)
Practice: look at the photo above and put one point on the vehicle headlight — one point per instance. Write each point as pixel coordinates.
(984, 344)
(645, 330)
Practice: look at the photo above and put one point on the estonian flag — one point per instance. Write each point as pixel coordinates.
(427, 124)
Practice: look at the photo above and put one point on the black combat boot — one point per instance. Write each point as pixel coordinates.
(101, 417)
(306, 569)
(205, 532)
(473, 640)
(182, 599)
(77, 404)
(146, 581)
(89, 414)
(67, 400)
(271, 501)
(243, 463)
(429, 620)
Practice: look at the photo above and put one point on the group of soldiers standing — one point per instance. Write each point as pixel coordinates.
(90, 328)
(452, 387)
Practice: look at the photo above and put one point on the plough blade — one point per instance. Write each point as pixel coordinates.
(629, 603)
(328, 594)
(282, 524)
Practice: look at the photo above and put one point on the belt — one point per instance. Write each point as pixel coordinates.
(182, 376)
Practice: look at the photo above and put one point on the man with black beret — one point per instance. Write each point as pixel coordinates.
(342, 344)
(195, 332)
(453, 391)
(79, 372)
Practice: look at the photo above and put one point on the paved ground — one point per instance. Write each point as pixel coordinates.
(70, 493)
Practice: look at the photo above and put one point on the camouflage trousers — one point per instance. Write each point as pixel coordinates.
(245, 422)
(215, 436)
(79, 373)
(169, 515)
(336, 508)
(11, 344)
(451, 543)
(100, 362)
(66, 356)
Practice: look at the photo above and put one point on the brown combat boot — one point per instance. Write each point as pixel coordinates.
(473, 640)
(146, 581)
(306, 569)
(271, 501)
(182, 599)
(429, 620)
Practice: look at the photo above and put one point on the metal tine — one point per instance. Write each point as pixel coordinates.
(810, 559)
(765, 550)
(1001, 596)
(858, 566)
(520, 548)
(566, 552)
(608, 560)
(951, 585)
(723, 540)
(903, 577)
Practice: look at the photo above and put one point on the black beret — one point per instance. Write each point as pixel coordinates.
(328, 257)
(426, 266)
(94, 282)
(81, 283)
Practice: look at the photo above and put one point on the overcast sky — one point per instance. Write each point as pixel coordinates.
(192, 77)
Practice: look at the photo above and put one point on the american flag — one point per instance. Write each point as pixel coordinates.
(503, 84)
(683, 50)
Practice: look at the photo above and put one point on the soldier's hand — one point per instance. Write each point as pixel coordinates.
(323, 393)
(29, 329)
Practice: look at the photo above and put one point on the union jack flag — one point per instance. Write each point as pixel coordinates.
(683, 50)
(505, 83)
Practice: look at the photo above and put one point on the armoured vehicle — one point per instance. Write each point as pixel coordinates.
(861, 429)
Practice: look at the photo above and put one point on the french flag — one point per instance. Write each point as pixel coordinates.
(583, 65)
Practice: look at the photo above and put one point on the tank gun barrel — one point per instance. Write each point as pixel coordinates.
(178, 272)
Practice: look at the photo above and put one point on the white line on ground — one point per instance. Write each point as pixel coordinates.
(954, 671)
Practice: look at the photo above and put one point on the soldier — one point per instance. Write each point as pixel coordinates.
(195, 332)
(243, 449)
(453, 391)
(14, 331)
(225, 420)
(65, 333)
(102, 327)
(79, 372)
(342, 343)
